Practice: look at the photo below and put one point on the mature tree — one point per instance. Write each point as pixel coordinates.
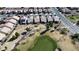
(51, 24)
(64, 31)
(75, 36)
(47, 26)
(13, 38)
(77, 23)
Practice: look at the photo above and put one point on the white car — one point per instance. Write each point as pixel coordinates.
(54, 14)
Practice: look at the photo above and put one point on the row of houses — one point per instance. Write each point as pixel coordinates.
(38, 19)
(8, 28)
(69, 11)
(35, 9)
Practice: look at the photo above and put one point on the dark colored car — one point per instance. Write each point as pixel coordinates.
(23, 33)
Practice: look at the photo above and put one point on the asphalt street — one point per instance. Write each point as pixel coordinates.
(71, 27)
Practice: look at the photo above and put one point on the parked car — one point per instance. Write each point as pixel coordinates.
(23, 33)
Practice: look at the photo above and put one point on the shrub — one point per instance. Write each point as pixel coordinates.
(17, 34)
(28, 29)
(64, 31)
(13, 38)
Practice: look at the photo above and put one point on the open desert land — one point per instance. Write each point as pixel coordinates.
(63, 41)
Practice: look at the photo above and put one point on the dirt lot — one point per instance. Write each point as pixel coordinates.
(27, 43)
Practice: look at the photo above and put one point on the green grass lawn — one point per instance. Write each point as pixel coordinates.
(44, 43)
(73, 18)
